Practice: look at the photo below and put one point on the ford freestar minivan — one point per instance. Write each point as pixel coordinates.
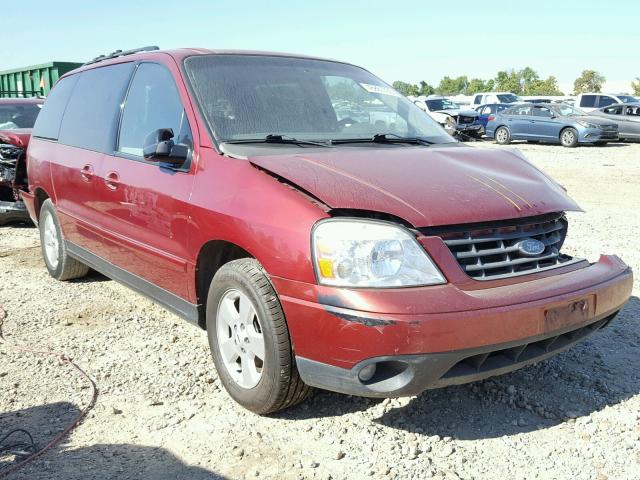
(322, 228)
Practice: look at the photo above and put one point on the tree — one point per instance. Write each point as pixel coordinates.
(405, 88)
(528, 78)
(588, 81)
(425, 89)
(544, 87)
(508, 81)
(452, 86)
(636, 86)
(478, 85)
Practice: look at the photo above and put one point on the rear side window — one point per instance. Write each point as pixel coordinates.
(48, 122)
(615, 110)
(588, 101)
(606, 101)
(153, 102)
(522, 110)
(90, 120)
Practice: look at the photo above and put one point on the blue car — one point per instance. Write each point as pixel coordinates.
(554, 123)
(485, 111)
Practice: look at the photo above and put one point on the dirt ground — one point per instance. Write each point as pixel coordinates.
(162, 414)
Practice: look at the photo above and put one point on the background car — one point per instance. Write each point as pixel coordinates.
(17, 116)
(626, 115)
(485, 111)
(592, 101)
(449, 114)
(559, 123)
(484, 98)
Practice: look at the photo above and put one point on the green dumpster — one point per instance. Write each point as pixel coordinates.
(33, 81)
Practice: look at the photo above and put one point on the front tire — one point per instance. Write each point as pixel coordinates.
(249, 339)
(569, 137)
(54, 250)
(502, 136)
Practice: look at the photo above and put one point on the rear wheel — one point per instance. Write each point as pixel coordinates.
(249, 339)
(569, 137)
(503, 136)
(54, 251)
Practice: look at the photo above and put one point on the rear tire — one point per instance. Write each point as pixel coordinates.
(54, 250)
(569, 137)
(252, 350)
(502, 136)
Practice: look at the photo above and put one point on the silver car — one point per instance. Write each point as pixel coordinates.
(626, 115)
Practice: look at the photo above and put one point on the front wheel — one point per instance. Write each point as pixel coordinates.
(249, 339)
(569, 137)
(502, 136)
(54, 251)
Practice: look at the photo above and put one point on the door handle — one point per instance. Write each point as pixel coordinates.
(87, 173)
(112, 180)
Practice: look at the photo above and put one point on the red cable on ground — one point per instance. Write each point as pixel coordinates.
(64, 359)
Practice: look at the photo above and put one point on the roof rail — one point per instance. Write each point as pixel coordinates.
(120, 53)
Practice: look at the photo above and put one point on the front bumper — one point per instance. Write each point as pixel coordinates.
(593, 135)
(432, 336)
(13, 212)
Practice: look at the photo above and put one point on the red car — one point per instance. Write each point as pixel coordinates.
(373, 256)
(17, 116)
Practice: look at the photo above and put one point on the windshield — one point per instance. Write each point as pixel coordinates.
(566, 110)
(628, 99)
(252, 96)
(441, 104)
(18, 116)
(508, 98)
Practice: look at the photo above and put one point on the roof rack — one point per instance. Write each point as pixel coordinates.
(120, 53)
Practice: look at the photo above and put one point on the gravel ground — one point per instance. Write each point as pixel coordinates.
(162, 414)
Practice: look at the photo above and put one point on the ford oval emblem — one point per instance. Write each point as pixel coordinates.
(530, 247)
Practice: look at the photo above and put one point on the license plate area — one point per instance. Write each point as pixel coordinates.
(573, 313)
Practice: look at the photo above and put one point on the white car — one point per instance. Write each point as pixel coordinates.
(484, 98)
(593, 101)
(449, 114)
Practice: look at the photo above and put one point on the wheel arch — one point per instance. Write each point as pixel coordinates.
(211, 257)
(40, 195)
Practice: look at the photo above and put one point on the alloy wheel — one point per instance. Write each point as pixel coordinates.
(51, 244)
(240, 338)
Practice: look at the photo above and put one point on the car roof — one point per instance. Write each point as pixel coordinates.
(180, 54)
(21, 101)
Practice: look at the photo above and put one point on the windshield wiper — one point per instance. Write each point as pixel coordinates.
(281, 139)
(384, 138)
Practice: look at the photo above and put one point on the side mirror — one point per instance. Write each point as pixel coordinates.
(159, 146)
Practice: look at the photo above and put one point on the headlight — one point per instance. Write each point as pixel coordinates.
(365, 253)
(587, 124)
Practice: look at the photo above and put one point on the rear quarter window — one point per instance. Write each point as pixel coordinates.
(588, 101)
(91, 118)
(50, 117)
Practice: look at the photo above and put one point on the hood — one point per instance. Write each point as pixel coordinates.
(454, 112)
(425, 186)
(18, 137)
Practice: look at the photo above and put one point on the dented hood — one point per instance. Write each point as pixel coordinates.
(18, 137)
(424, 186)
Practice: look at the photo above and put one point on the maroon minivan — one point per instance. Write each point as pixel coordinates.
(321, 228)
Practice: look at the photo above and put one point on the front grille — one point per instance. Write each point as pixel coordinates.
(492, 362)
(489, 251)
(465, 119)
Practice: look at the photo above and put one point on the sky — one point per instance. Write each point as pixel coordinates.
(410, 40)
